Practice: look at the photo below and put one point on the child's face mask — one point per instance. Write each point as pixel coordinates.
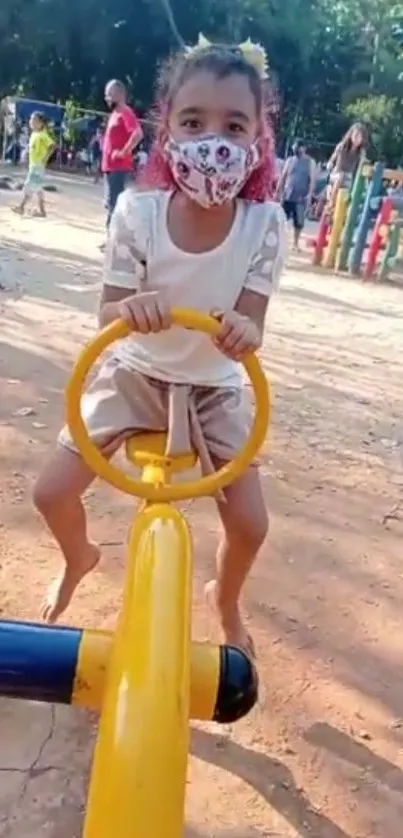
(211, 170)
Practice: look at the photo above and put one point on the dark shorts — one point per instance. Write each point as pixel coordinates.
(115, 183)
(295, 212)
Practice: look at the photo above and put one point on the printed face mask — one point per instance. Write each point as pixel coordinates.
(211, 170)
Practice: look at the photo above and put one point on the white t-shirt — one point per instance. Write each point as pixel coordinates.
(142, 256)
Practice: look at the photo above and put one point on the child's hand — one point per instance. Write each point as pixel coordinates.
(238, 334)
(148, 312)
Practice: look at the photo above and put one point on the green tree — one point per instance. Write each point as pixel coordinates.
(385, 116)
(328, 57)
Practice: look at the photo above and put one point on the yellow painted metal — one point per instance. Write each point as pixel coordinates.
(146, 448)
(204, 680)
(141, 678)
(93, 657)
(207, 485)
(139, 773)
(339, 217)
(92, 668)
(154, 474)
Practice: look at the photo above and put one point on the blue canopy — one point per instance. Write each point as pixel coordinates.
(23, 108)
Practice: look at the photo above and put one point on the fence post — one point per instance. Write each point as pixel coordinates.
(358, 248)
(337, 228)
(357, 193)
(392, 246)
(379, 236)
(321, 238)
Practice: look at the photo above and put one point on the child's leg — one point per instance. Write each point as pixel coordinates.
(41, 203)
(116, 404)
(57, 496)
(21, 207)
(245, 523)
(225, 418)
(30, 186)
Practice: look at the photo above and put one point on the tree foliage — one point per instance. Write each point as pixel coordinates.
(332, 60)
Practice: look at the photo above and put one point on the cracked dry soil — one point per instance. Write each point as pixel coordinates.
(42, 785)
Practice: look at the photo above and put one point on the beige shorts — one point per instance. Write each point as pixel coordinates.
(121, 402)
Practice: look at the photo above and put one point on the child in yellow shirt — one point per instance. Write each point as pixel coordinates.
(41, 147)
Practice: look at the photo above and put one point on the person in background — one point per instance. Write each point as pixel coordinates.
(345, 160)
(141, 160)
(96, 153)
(295, 188)
(320, 192)
(41, 147)
(24, 144)
(122, 136)
(84, 157)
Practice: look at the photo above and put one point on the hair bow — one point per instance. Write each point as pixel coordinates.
(254, 54)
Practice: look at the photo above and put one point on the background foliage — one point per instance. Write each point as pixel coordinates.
(332, 60)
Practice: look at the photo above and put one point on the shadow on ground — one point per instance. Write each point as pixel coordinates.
(270, 778)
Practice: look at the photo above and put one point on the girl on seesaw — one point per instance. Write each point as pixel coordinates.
(205, 236)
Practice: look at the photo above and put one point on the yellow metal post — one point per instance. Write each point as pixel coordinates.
(339, 217)
(139, 773)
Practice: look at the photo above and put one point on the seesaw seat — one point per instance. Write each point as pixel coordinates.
(149, 448)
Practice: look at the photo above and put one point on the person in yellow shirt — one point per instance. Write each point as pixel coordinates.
(41, 147)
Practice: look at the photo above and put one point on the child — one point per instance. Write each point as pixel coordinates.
(345, 160)
(206, 238)
(41, 147)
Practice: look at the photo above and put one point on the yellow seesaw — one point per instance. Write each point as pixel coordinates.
(148, 679)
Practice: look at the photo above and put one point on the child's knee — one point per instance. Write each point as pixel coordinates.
(64, 478)
(53, 486)
(250, 528)
(45, 495)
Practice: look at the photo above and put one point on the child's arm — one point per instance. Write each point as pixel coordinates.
(253, 306)
(109, 309)
(124, 275)
(124, 265)
(242, 329)
(264, 273)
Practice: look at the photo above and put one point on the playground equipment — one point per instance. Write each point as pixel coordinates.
(342, 240)
(148, 679)
(385, 237)
(379, 236)
(336, 229)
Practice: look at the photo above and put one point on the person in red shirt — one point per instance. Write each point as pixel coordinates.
(123, 134)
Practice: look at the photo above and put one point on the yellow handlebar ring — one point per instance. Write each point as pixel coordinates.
(208, 485)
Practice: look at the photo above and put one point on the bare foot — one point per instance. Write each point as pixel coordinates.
(234, 630)
(18, 210)
(39, 214)
(62, 588)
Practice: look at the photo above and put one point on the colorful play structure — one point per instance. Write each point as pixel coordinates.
(148, 679)
(361, 234)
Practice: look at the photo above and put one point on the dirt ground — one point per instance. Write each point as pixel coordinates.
(322, 754)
